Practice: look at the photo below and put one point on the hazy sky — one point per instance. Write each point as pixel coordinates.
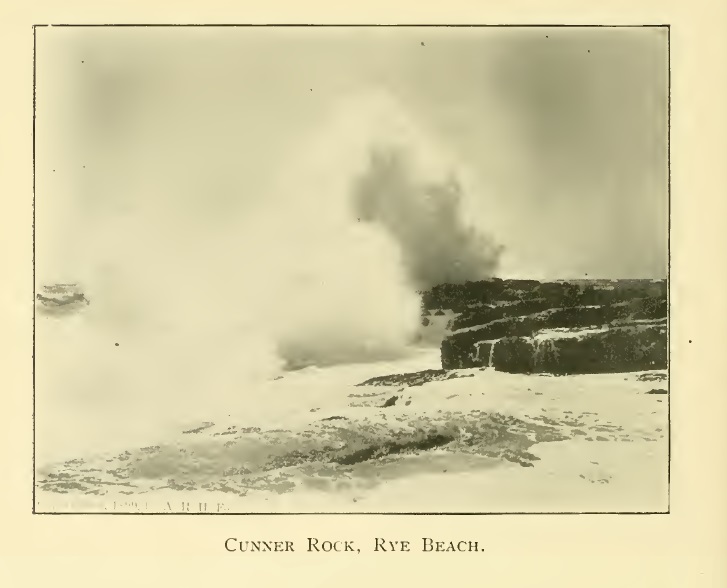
(152, 139)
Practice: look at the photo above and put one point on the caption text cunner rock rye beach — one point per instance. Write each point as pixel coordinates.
(315, 545)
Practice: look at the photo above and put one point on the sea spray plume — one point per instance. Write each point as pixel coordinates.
(351, 284)
(423, 216)
(302, 279)
(347, 295)
(296, 280)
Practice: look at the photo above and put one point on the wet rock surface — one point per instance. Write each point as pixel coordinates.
(562, 328)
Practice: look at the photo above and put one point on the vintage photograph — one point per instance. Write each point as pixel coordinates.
(351, 269)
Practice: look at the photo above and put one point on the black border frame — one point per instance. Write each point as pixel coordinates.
(304, 25)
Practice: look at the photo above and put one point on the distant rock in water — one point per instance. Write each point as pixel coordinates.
(60, 299)
(588, 326)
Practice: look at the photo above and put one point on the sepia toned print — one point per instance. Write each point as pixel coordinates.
(351, 269)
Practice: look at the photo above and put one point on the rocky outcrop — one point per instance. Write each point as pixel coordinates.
(531, 336)
(484, 314)
(610, 349)
(461, 298)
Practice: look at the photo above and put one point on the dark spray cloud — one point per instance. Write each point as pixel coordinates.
(424, 218)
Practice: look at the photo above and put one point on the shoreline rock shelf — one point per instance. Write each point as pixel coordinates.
(619, 335)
